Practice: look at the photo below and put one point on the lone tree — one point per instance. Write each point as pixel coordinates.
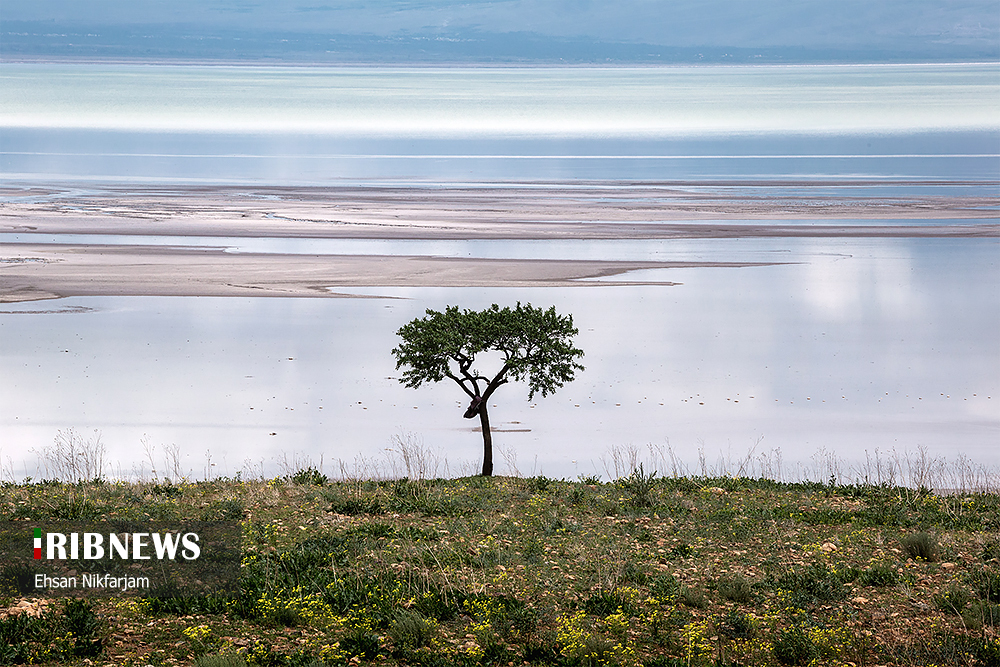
(535, 345)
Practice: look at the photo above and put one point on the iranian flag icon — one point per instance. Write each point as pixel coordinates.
(38, 543)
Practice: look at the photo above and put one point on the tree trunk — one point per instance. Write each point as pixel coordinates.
(484, 420)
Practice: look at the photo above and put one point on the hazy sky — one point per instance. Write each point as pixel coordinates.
(506, 30)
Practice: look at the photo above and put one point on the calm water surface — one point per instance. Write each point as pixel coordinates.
(853, 345)
(860, 344)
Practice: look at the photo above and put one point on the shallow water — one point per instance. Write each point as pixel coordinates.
(860, 344)
(850, 346)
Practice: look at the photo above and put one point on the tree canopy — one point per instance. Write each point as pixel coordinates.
(535, 346)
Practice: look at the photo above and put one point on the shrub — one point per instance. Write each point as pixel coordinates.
(693, 598)
(981, 613)
(794, 647)
(952, 600)
(987, 652)
(308, 475)
(435, 604)
(410, 630)
(921, 546)
(360, 644)
(987, 584)
(663, 586)
(736, 588)
(736, 625)
(539, 484)
(639, 486)
(223, 660)
(682, 550)
(812, 583)
(83, 623)
(602, 604)
(882, 574)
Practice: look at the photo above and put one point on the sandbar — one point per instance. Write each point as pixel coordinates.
(32, 270)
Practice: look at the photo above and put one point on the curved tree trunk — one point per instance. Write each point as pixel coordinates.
(484, 420)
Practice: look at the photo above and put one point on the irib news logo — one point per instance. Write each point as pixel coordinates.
(120, 556)
(124, 546)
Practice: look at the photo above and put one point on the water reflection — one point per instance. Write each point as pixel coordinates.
(860, 344)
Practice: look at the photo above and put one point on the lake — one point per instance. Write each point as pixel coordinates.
(844, 347)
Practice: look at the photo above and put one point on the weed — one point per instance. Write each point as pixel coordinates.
(987, 583)
(603, 603)
(736, 625)
(736, 588)
(813, 583)
(663, 586)
(310, 475)
(793, 646)
(82, 622)
(361, 644)
(880, 574)
(639, 487)
(354, 506)
(991, 551)
(538, 484)
(953, 599)
(682, 550)
(692, 597)
(921, 546)
(410, 630)
(435, 604)
(221, 660)
(230, 509)
(980, 613)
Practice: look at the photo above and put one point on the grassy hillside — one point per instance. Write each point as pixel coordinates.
(506, 571)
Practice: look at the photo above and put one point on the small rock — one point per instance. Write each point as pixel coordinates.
(828, 547)
(947, 566)
(859, 600)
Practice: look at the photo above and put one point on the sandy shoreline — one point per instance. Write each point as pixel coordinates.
(33, 271)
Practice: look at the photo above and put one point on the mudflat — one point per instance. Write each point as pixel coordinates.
(30, 271)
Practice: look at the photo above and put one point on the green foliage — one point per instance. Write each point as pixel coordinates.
(639, 486)
(987, 583)
(793, 646)
(353, 506)
(953, 599)
(980, 613)
(223, 660)
(535, 344)
(310, 475)
(735, 588)
(811, 584)
(360, 643)
(229, 509)
(692, 597)
(736, 625)
(921, 546)
(987, 651)
(603, 603)
(410, 630)
(880, 574)
(75, 633)
(538, 484)
(82, 622)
